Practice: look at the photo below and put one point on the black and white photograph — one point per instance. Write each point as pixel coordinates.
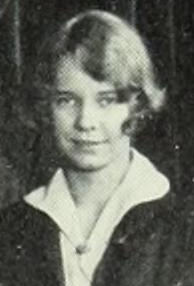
(96, 143)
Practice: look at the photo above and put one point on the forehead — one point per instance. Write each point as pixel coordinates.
(71, 76)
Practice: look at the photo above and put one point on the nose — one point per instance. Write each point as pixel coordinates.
(87, 118)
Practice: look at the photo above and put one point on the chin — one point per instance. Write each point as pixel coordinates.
(87, 166)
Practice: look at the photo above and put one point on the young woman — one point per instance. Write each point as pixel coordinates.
(103, 217)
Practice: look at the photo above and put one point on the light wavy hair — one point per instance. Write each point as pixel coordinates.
(108, 49)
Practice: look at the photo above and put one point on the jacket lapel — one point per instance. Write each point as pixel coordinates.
(53, 254)
(41, 256)
(48, 245)
(133, 252)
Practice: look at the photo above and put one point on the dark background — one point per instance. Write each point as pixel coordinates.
(168, 29)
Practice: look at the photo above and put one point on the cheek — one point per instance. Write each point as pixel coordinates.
(62, 121)
(115, 121)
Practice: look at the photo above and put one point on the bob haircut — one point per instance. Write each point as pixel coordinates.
(108, 49)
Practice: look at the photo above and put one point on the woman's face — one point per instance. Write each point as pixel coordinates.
(88, 119)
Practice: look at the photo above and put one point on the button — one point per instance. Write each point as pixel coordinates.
(82, 249)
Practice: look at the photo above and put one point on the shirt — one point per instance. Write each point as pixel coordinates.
(142, 183)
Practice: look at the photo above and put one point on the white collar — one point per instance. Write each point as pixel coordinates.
(143, 183)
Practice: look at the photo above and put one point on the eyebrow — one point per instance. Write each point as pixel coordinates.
(67, 91)
(63, 92)
(104, 92)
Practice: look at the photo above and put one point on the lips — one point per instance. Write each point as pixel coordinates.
(89, 143)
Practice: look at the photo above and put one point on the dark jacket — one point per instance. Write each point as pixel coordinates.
(143, 250)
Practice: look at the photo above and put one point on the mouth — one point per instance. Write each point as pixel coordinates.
(88, 143)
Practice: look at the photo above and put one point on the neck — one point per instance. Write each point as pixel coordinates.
(95, 187)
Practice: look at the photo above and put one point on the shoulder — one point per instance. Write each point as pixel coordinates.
(20, 218)
(162, 209)
(16, 212)
(151, 219)
(13, 214)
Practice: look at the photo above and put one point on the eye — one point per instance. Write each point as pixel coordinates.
(62, 100)
(107, 99)
(65, 99)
